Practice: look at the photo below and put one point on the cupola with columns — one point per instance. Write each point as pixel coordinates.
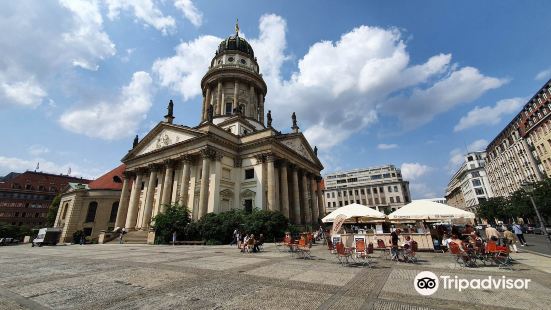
(233, 84)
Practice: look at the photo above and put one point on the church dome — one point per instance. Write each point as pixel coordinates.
(235, 43)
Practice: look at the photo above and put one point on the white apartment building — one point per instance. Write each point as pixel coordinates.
(381, 188)
(470, 184)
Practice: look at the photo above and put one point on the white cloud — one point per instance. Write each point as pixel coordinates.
(489, 115)
(58, 35)
(184, 71)
(37, 150)
(384, 146)
(543, 75)
(413, 171)
(26, 93)
(478, 145)
(338, 88)
(144, 10)
(191, 12)
(13, 164)
(421, 190)
(460, 86)
(116, 118)
(457, 155)
(88, 35)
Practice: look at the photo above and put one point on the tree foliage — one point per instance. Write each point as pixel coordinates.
(218, 228)
(174, 219)
(14, 231)
(518, 205)
(52, 211)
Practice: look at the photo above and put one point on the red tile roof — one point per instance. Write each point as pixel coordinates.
(110, 180)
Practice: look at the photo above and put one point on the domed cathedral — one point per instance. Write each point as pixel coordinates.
(232, 160)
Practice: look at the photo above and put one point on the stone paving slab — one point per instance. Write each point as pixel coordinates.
(220, 277)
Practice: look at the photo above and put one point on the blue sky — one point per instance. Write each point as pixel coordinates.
(409, 83)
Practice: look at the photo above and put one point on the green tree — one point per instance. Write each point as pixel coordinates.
(493, 209)
(52, 211)
(174, 219)
(218, 228)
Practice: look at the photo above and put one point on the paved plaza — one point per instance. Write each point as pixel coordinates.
(116, 276)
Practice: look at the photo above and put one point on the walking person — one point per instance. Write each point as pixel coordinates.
(517, 229)
(121, 236)
(394, 241)
(234, 237)
(509, 239)
(173, 238)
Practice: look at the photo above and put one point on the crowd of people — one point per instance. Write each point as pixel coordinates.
(247, 242)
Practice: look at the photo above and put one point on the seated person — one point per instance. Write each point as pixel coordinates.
(446, 241)
(408, 246)
(258, 243)
(462, 248)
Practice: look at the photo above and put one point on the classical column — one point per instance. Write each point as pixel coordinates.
(271, 182)
(284, 185)
(251, 101)
(315, 209)
(321, 206)
(184, 182)
(277, 188)
(296, 198)
(204, 109)
(132, 214)
(167, 185)
(206, 154)
(213, 204)
(123, 202)
(219, 102)
(148, 209)
(235, 95)
(305, 205)
(261, 108)
(207, 104)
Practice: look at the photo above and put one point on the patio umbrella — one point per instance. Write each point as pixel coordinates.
(355, 213)
(429, 210)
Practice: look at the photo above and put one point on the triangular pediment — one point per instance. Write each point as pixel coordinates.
(299, 144)
(163, 135)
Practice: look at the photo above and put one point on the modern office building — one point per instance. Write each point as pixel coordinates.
(469, 185)
(25, 197)
(381, 188)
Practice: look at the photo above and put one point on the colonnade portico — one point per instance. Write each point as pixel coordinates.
(289, 189)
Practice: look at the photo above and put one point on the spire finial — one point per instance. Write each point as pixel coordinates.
(237, 26)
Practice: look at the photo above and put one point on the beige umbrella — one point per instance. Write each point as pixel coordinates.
(429, 210)
(355, 213)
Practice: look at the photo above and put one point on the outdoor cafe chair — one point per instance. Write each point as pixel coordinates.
(304, 248)
(460, 258)
(385, 249)
(410, 252)
(342, 254)
(363, 252)
(499, 255)
(331, 246)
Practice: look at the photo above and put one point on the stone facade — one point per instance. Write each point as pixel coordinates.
(516, 154)
(231, 160)
(469, 185)
(91, 207)
(381, 188)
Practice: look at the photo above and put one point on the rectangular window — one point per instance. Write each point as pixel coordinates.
(329, 205)
(391, 199)
(374, 190)
(376, 200)
(476, 182)
(334, 204)
(346, 202)
(340, 203)
(350, 193)
(364, 202)
(333, 195)
(395, 188)
(390, 189)
(382, 189)
(249, 174)
(328, 195)
(362, 191)
(370, 201)
(397, 198)
(228, 108)
(383, 200)
(368, 191)
(356, 192)
(479, 191)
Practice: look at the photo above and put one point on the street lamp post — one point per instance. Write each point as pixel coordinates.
(529, 188)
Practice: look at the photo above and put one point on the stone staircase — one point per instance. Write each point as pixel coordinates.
(133, 237)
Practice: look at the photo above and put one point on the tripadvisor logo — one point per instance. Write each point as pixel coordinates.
(427, 283)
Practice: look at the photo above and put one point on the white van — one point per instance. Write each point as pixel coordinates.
(47, 236)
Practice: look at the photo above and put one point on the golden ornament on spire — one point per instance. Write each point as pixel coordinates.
(237, 26)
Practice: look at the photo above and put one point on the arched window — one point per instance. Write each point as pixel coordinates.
(91, 214)
(65, 207)
(114, 210)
